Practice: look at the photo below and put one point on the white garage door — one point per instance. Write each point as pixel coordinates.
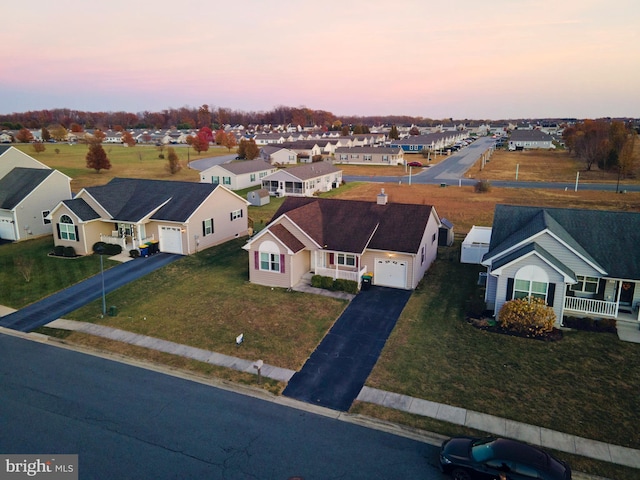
(390, 273)
(7, 232)
(170, 240)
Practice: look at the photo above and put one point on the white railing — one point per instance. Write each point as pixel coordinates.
(344, 274)
(112, 239)
(588, 305)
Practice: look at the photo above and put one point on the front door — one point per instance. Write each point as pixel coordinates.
(626, 294)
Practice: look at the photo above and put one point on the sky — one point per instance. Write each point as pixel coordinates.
(461, 59)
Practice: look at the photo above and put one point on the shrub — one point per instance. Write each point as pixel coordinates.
(69, 251)
(135, 253)
(482, 186)
(113, 249)
(58, 250)
(316, 281)
(326, 283)
(343, 285)
(527, 316)
(590, 324)
(98, 245)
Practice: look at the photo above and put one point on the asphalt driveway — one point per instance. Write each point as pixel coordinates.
(59, 304)
(336, 371)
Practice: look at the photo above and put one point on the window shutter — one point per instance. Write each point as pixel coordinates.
(256, 260)
(204, 228)
(241, 213)
(551, 292)
(357, 262)
(77, 236)
(58, 229)
(231, 216)
(509, 289)
(282, 263)
(213, 228)
(331, 259)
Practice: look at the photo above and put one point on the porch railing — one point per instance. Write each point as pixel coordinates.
(114, 240)
(588, 305)
(343, 274)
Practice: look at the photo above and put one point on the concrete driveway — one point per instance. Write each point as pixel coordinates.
(338, 368)
(55, 306)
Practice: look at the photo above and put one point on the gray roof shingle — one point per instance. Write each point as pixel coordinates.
(19, 183)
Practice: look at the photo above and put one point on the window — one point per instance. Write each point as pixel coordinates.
(433, 238)
(531, 281)
(236, 214)
(585, 284)
(347, 259)
(252, 177)
(67, 230)
(367, 157)
(270, 261)
(344, 156)
(44, 217)
(207, 226)
(385, 158)
(226, 180)
(215, 179)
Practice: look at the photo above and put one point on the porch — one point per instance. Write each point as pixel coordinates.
(351, 274)
(600, 308)
(127, 242)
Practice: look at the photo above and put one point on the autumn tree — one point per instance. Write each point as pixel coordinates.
(76, 128)
(204, 116)
(626, 160)
(618, 136)
(127, 139)
(591, 142)
(99, 136)
(173, 162)
(357, 130)
(229, 140)
(46, 136)
(97, 157)
(24, 136)
(345, 132)
(414, 131)
(248, 150)
(206, 134)
(199, 143)
(220, 137)
(58, 132)
(38, 147)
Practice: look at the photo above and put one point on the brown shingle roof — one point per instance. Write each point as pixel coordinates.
(352, 225)
(286, 237)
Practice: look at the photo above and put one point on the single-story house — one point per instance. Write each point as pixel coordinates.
(239, 174)
(184, 217)
(277, 155)
(345, 239)
(429, 141)
(475, 245)
(581, 262)
(303, 180)
(305, 149)
(27, 195)
(259, 197)
(524, 139)
(370, 155)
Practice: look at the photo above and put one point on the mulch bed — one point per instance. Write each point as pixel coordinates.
(490, 325)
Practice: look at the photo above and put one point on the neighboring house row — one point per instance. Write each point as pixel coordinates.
(524, 139)
(184, 217)
(345, 239)
(28, 191)
(370, 155)
(430, 141)
(580, 262)
(239, 174)
(303, 180)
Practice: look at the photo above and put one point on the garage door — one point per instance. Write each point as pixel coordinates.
(390, 273)
(7, 232)
(171, 240)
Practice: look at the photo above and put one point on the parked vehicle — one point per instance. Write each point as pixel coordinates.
(467, 458)
(414, 164)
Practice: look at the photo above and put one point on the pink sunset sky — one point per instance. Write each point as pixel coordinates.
(452, 58)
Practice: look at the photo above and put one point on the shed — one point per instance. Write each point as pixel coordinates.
(445, 233)
(475, 245)
(259, 197)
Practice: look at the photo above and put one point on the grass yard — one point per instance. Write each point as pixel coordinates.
(46, 274)
(141, 161)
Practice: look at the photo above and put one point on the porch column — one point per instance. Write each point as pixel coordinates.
(619, 286)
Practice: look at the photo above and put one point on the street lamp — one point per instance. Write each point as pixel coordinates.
(100, 251)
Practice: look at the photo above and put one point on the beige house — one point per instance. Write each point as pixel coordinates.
(303, 180)
(239, 174)
(276, 155)
(370, 156)
(345, 239)
(184, 217)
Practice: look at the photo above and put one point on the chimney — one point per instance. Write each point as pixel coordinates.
(382, 198)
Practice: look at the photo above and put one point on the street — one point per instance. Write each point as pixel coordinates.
(130, 422)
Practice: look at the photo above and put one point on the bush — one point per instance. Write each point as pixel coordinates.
(58, 250)
(98, 245)
(135, 253)
(591, 324)
(482, 186)
(328, 283)
(527, 316)
(69, 252)
(113, 249)
(316, 281)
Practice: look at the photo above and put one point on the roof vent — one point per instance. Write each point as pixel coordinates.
(382, 198)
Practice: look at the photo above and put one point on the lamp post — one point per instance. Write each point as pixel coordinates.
(100, 251)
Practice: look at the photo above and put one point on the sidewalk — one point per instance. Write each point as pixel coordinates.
(488, 423)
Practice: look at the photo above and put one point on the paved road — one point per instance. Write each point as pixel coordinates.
(337, 370)
(126, 422)
(209, 162)
(59, 304)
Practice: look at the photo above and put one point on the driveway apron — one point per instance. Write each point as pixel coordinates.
(336, 371)
(55, 306)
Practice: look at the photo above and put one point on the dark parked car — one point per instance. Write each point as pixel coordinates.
(467, 458)
(414, 164)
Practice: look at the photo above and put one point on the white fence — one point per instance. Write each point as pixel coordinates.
(588, 305)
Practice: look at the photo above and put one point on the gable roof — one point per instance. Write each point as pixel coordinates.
(131, 199)
(353, 225)
(247, 166)
(287, 238)
(607, 239)
(19, 183)
(81, 209)
(310, 170)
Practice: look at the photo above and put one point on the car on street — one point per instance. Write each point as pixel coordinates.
(414, 164)
(467, 458)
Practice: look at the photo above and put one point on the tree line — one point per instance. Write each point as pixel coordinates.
(607, 144)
